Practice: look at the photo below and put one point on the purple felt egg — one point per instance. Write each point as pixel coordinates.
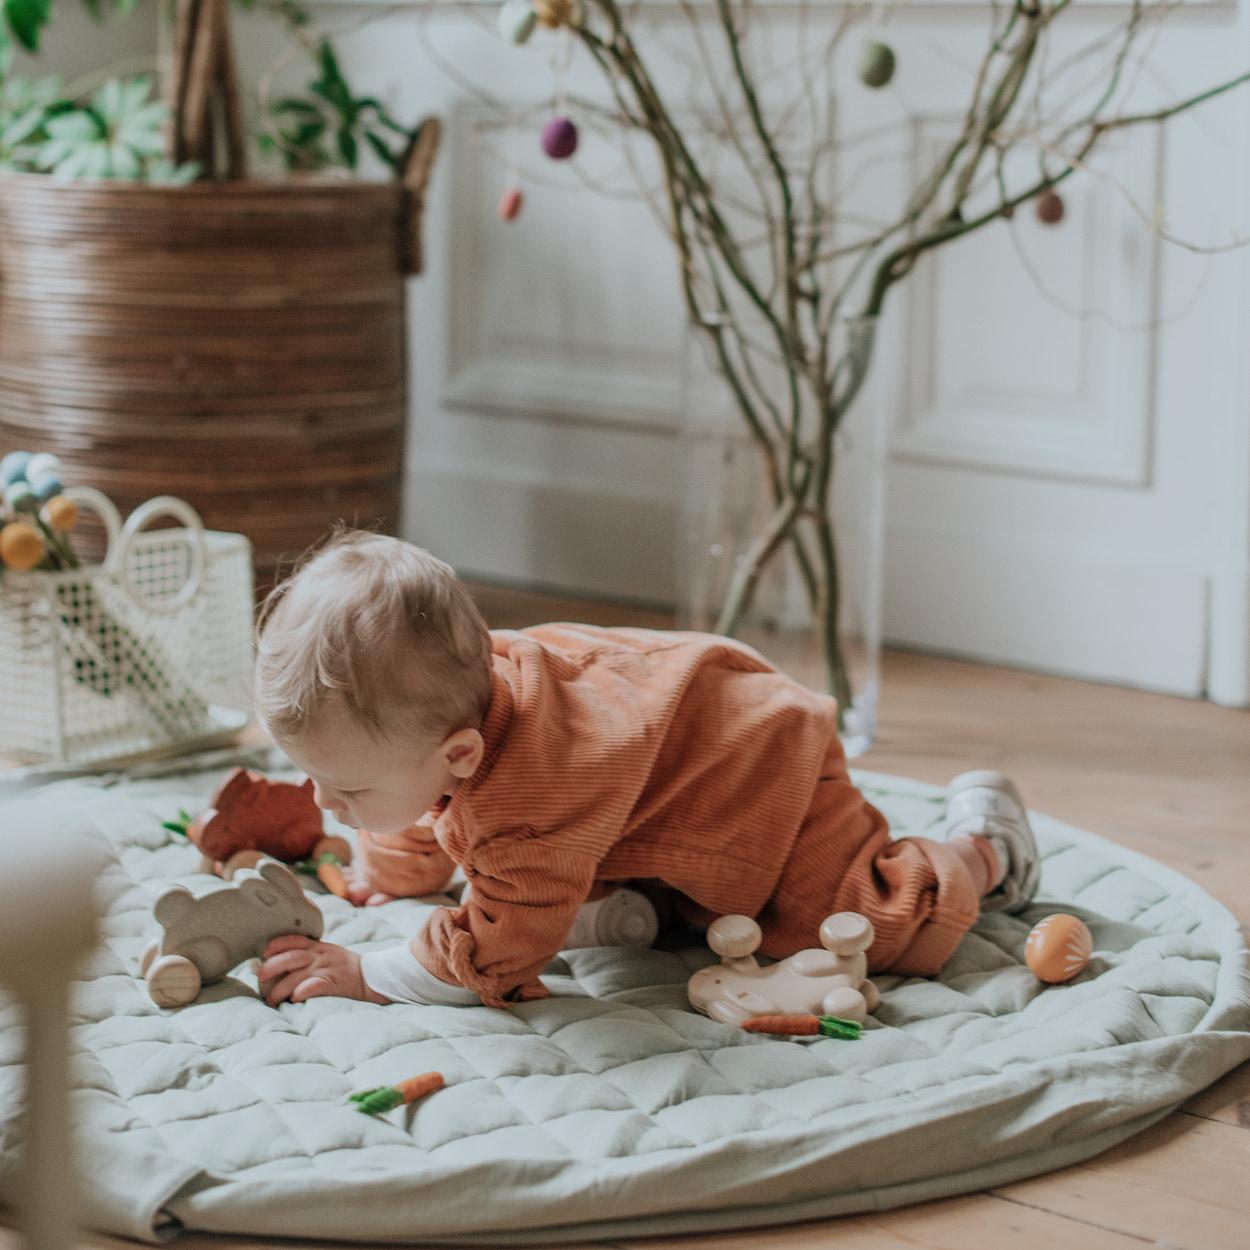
(559, 138)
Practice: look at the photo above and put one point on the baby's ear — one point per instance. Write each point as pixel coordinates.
(463, 751)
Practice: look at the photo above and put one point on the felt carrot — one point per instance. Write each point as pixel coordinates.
(803, 1025)
(384, 1097)
(330, 874)
(328, 869)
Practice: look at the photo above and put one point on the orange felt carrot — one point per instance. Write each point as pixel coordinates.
(330, 874)
(384, 1097)
(803, 1025)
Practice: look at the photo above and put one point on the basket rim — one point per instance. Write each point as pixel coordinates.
(221, 540)
(288, 184)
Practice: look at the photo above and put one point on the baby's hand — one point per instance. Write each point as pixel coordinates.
(297, 968)
(360, 890)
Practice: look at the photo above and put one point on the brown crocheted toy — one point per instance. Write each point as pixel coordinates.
(251, 818)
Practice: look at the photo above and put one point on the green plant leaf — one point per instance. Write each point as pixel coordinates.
(26, 18)
(348, 148)
(378, 144)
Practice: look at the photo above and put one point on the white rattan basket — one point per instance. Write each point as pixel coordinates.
(146, 654)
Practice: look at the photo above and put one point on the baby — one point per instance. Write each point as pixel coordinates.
(555, 761)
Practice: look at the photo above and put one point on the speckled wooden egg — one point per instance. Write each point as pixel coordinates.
(1058, 948)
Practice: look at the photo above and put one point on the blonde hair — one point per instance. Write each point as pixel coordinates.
(382, 625)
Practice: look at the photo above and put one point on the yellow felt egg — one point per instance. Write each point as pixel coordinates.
(1058, 948)
(21, 546)
(61, 514)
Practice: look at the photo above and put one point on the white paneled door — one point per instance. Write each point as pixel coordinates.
(1069, 406)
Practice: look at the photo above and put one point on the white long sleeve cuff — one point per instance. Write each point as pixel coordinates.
(399, 975)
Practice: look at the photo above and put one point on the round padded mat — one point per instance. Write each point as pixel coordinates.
(610, 1109)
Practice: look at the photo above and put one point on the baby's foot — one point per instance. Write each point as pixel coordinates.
(987, 804)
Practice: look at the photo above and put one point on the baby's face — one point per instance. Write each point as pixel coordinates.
(380, 786)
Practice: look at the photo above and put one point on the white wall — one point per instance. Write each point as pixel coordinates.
(84, 51)
(1062, 494)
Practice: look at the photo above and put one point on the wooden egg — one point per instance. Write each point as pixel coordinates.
(1058, 948)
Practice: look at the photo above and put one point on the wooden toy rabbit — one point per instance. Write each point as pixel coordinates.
(828, 982)
(206, 936)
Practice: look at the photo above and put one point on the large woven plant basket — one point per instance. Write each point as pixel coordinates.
(237, 344)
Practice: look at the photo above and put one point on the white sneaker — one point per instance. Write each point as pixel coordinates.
(988, 803)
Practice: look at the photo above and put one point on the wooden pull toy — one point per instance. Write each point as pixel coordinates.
(206, 936)
(832, 981)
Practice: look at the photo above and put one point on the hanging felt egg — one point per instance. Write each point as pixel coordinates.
(60, 514)
(1049, 207)
(21, 546)
(1058, 948)
(510, 204)
(876, 64)
(559, 138)
(47, 487)
(517, 20)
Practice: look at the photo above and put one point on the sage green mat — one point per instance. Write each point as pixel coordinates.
(611, 1109)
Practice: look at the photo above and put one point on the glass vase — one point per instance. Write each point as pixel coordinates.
(727, 503)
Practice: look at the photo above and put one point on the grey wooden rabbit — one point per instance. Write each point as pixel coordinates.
(205, 936)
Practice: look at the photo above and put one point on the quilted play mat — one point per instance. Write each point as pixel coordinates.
(610, 1109)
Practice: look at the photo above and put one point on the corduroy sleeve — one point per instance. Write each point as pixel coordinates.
(524, 897)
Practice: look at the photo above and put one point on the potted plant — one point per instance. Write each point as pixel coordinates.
(173, 325)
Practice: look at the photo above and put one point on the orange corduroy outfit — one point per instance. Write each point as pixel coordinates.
(677, 759)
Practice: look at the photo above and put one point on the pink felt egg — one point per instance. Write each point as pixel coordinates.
(559, 138)
(510, 204)
(1058, 948)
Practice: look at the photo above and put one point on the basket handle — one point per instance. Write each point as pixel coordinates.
(104, 508)
(118, 560)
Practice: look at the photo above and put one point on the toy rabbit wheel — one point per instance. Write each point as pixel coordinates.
(123, 567)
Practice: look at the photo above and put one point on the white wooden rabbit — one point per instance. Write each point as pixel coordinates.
(206, 936)
(832, 981)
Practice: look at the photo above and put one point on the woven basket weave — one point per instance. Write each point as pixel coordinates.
(146, 654)
(238, 344)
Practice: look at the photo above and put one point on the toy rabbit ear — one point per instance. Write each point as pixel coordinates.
(279, 876)
(173, 903)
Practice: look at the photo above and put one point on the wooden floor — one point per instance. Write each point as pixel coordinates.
(1168, 777)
